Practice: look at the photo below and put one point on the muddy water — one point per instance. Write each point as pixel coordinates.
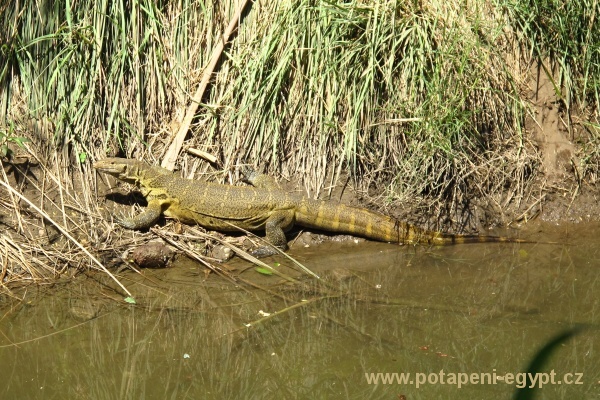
(470, 309)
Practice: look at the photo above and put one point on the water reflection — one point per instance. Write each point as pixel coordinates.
(461, 309)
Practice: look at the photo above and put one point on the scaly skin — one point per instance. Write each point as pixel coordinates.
(262, 207)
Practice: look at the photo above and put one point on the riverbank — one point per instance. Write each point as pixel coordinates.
(460, 117)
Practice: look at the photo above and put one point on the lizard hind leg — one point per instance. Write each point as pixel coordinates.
(258, 179)
(275, 227)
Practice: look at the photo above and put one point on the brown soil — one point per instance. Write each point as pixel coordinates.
(554, 129)
(550, 130)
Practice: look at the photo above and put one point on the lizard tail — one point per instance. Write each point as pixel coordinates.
(371, 225)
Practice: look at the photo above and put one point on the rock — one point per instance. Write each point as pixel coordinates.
(153, 255)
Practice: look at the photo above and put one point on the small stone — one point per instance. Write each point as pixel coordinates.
(152, 255)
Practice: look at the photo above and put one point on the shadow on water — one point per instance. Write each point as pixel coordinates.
(472, 309)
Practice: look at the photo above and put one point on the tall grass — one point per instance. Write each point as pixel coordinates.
(424, 97)
(565, 36)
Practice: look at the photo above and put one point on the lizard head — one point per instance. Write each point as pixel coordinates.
(128, 170)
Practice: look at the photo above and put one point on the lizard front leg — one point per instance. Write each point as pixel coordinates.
(144, 220)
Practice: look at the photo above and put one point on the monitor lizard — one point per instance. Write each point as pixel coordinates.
(263, 206)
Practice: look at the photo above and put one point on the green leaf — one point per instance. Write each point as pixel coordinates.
(4, 150)
(20, 140)
(264, 271)
(130, 300)
(82, 157)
